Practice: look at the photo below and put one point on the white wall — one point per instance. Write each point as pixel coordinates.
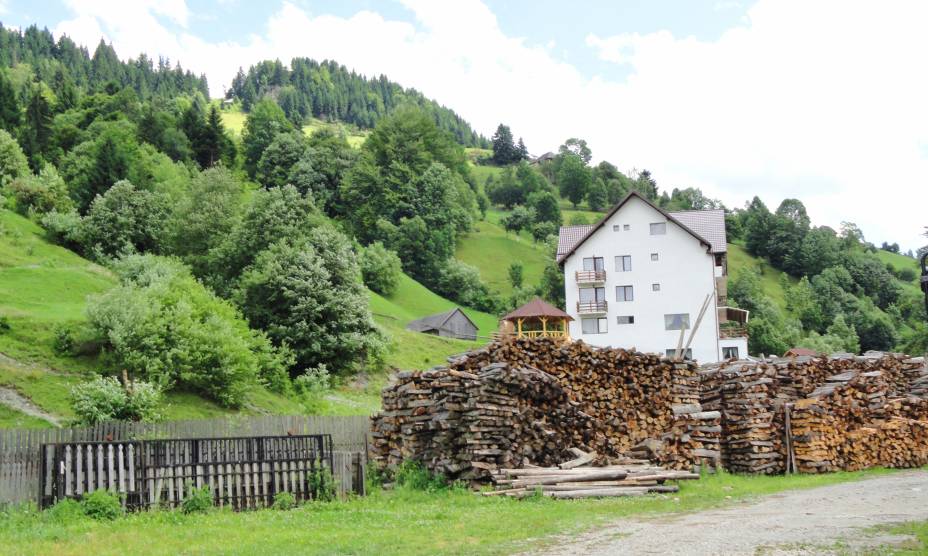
(685, 272)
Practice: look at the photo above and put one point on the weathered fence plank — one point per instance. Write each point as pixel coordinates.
(20, 460)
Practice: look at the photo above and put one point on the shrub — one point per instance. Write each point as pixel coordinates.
(164, 326)
(461, 282)
(199, 501)
(380, 268)
(124, 220)
(4, 324)
(322, 483)
(64, 228)
(64, 342)
(42, 193)
(284, 501)
(312, 387)
(305, 293)
(102, 505)
(66, 511)
(412, 475)
(105, 399)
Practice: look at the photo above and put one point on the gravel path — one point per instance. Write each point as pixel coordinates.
(13, 399)
(794, 522)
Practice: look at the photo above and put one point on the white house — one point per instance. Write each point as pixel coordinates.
(641, 274)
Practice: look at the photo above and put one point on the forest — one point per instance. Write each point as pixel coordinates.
(244, 260)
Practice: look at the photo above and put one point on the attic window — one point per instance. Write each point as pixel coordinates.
(626, 227)
(615, 227)
(658, 228)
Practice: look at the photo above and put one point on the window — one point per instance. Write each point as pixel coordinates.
(590, 295)
(677, 321)
(627, 227)
(623, 263)
(624, 293)
(719, 259)
(625, 319)
(687, 353)
(655, 257)
(730, 352)
(594, 263)
(593, 326)
(658, 228)
(615, 227)
(655, 287)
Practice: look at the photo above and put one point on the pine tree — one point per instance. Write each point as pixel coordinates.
(523, 152)
(38, 128)
(9, 105)
(504, 150)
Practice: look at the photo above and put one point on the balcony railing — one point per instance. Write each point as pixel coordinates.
(591, 276)
(543, 334)
(736, 331)
(591, 307)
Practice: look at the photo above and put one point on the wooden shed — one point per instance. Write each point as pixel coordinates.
(536, 318)
(450, 324)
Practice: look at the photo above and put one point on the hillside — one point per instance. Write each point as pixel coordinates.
(234, 120)
(44, 286)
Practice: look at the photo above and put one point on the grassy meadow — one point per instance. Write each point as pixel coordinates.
(449, 521)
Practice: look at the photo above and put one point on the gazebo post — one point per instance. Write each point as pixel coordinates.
(544, 326)
(519, 322)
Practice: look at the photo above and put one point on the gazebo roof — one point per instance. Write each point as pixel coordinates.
(537, 308)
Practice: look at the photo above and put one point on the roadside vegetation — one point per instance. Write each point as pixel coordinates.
(421, 516)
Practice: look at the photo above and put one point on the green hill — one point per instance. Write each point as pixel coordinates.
(770, 277)
(44, 286)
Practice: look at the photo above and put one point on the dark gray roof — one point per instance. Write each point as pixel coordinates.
(436, 322)
(709, 224)
(572, 236)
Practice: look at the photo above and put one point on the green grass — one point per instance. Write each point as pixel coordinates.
(12, 419)
(919, 544)
(399, 522)
(739, 258)
(491, 249)
(43, 286)
(898, 262)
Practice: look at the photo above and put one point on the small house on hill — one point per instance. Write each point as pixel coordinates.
(536, 319)
(450, 324)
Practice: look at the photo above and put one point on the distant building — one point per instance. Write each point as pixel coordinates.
(543, 158)
(799, 352)
(641, 275)
(450, 324)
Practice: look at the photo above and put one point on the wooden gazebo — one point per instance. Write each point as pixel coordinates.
(536, 319)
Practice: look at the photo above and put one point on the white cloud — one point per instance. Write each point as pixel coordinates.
(821, 101)
(4, 7)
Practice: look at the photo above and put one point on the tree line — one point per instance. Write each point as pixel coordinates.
(329, 91)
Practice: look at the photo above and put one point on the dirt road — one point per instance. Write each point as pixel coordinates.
(795, 522)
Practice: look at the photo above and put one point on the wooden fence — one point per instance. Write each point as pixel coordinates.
(241, 473)
(20, 458)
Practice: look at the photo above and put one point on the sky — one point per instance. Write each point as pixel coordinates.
(825, 101)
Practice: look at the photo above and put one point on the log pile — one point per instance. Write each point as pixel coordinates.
(576, 481)
(524, 402)
(843, 412)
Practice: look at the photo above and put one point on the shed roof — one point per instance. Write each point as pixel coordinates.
(436, 322)
(572, 242)
(537, 308)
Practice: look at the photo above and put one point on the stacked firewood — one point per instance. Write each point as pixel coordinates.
(819, 414)
(854, 424)
(524, 402)
(745, 395)
(575, 479)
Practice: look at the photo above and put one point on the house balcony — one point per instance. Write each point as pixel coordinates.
(592, 307)
(733, 322)
(591, 276)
